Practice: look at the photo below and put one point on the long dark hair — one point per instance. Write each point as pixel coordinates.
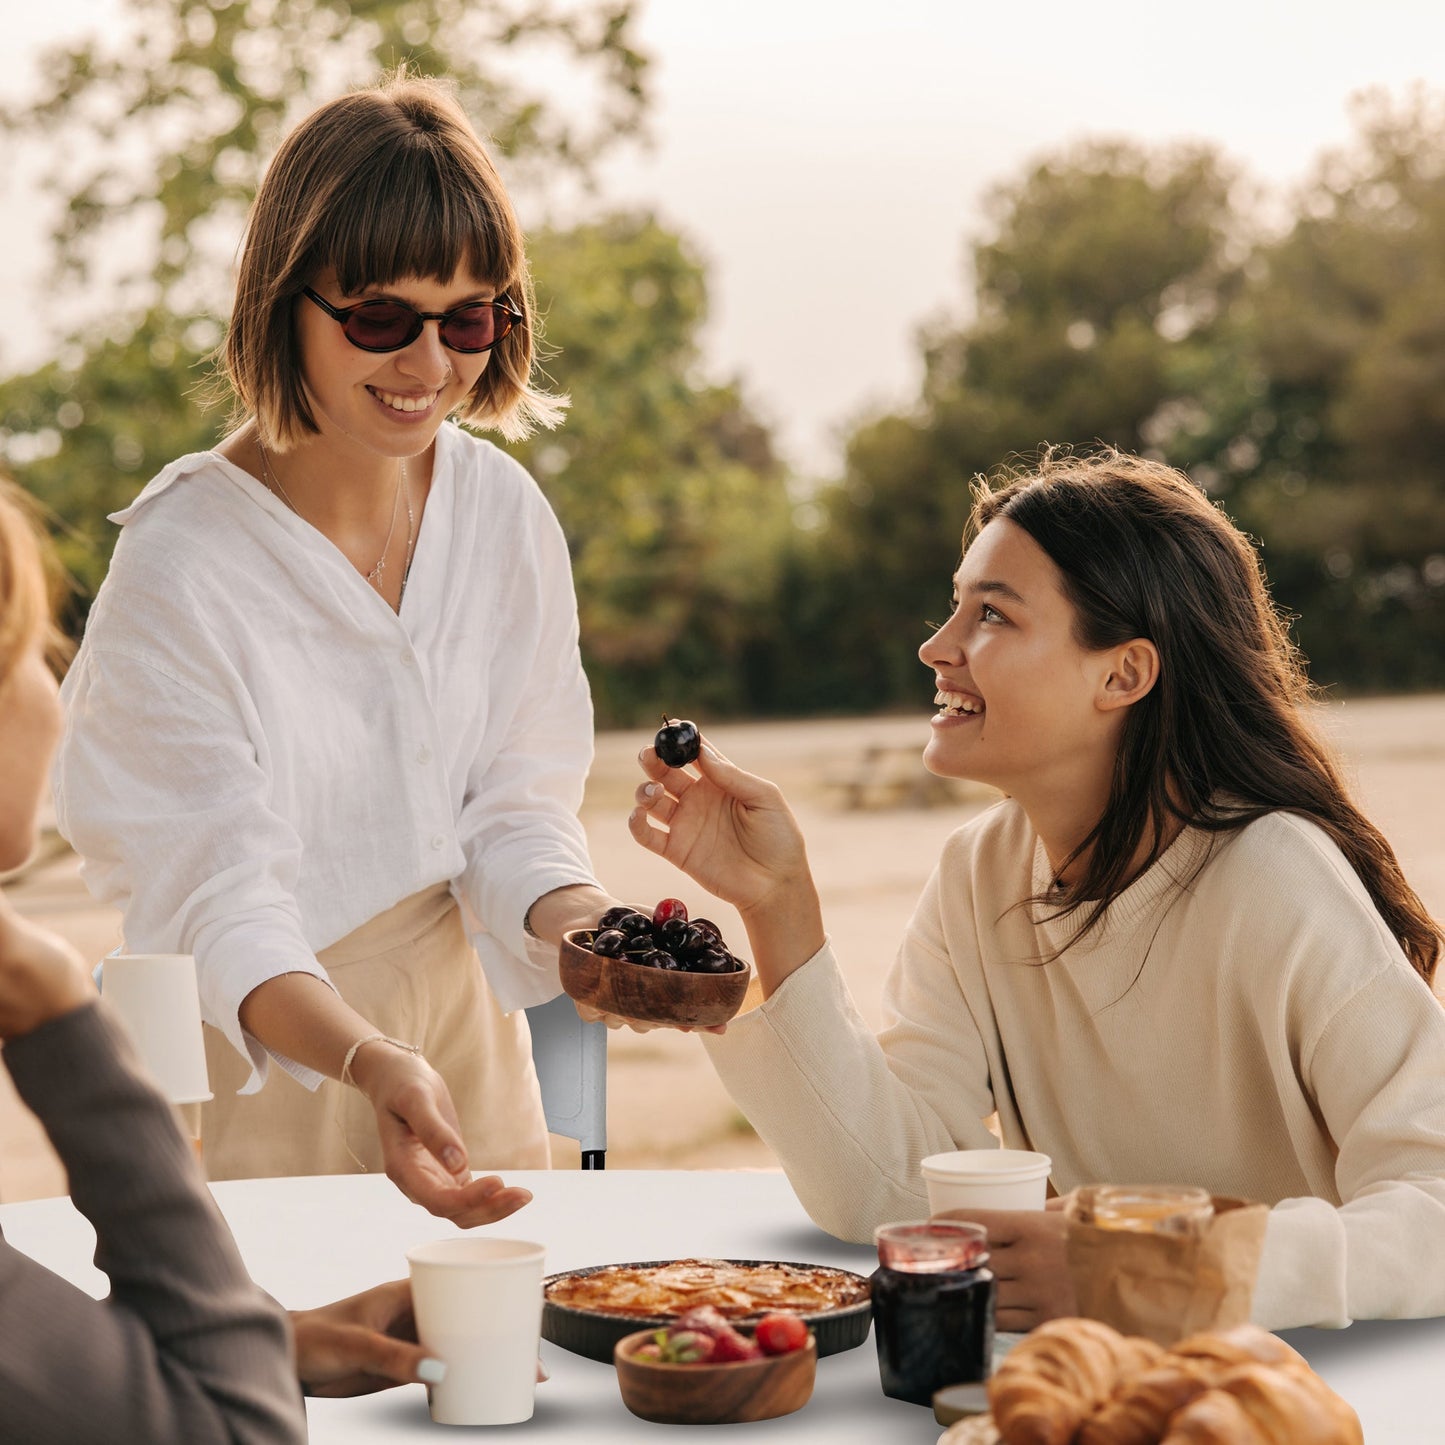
(1222, 738)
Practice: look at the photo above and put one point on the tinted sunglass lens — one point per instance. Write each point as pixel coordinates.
(475, 328)
(382, 326)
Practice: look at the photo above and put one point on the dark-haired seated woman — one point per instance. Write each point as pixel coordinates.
(328, 729)
(1176, 953)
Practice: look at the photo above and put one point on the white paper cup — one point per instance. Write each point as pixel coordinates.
(156, 997)
(986, 1179)
(478, 1307)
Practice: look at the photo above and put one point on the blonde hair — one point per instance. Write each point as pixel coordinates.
(27, 578)
(378, 185)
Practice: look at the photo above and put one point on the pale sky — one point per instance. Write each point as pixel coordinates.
(826, 157)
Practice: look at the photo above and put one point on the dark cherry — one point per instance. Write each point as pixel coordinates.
(713, 960)
(678, 742)
(609, 943)
(672, 934)
(638, 945)
(659, 958)
(695, 939)
(635, 924)
(614, 916)
(709, 926)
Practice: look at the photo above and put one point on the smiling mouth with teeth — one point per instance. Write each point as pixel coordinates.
(402, 403)
(953, 704)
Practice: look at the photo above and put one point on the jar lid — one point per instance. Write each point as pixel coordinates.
(1144, 1207)
(958, 1402)
(931, 1246)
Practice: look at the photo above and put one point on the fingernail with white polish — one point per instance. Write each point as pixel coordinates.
(431, 1372)
(651, 790)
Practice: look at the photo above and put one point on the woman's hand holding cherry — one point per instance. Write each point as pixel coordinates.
(734, 835)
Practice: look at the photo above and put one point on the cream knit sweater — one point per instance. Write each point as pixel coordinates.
(1256, 1031)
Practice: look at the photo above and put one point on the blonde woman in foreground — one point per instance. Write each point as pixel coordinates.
(186, 1350)
(1177, 952)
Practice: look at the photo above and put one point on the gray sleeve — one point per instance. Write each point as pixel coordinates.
(187, 1349)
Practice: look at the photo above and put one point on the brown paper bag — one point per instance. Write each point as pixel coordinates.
(1166, 1286)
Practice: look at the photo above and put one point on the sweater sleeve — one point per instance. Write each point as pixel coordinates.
(851, 1115)
(187, 1349)
(1375, 1075)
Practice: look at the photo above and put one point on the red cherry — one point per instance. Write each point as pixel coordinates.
(669, 908)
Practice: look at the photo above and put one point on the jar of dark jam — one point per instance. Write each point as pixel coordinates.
(933, 1303)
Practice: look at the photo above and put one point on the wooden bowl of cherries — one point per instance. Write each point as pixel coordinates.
(656, 967)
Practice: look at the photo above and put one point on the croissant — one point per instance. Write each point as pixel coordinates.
(1058, 1376)
(1142, 1406)
(1242, 1345)
(1266, 1405)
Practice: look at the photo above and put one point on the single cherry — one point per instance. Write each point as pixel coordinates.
(667, 910)
(678, 742)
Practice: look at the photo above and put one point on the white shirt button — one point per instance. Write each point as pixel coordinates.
(423, 755)
(407, 660)
(438, 842)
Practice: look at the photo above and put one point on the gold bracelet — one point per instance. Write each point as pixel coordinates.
(373, 1039)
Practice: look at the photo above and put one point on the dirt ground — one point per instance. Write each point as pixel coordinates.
(875, 823)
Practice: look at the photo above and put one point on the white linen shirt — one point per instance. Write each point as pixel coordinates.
(259, 756)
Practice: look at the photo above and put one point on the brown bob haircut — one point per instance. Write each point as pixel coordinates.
(378, 185)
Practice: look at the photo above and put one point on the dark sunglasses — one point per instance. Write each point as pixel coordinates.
(390, 325)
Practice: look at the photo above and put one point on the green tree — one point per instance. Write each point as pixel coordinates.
(85, 431)
(172, 119)
(1340, 462)
(1100, 295)
(675, 506)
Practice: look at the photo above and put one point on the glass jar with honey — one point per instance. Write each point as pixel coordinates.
(1151, 1208)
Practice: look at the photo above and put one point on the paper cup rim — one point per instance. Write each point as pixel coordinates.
(1015, 1166)
(451, 1253)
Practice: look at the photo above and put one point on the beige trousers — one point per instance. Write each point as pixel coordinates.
(412, 974)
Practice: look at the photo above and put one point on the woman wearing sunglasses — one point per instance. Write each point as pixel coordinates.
(328, 730)
(1175, 953)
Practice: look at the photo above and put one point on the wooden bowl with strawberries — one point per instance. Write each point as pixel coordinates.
(662, 1383)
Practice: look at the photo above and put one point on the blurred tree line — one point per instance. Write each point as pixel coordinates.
(1122, 294)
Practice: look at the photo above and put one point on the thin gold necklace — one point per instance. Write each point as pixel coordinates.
(378, 572)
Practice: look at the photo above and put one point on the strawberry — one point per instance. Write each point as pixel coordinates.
(687, 1347)
(780, 1333)
(704, 1318)
(730, 1345)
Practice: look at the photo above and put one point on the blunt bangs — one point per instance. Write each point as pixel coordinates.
(415, 209)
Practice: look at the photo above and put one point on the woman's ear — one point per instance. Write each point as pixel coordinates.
(1132, 670)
